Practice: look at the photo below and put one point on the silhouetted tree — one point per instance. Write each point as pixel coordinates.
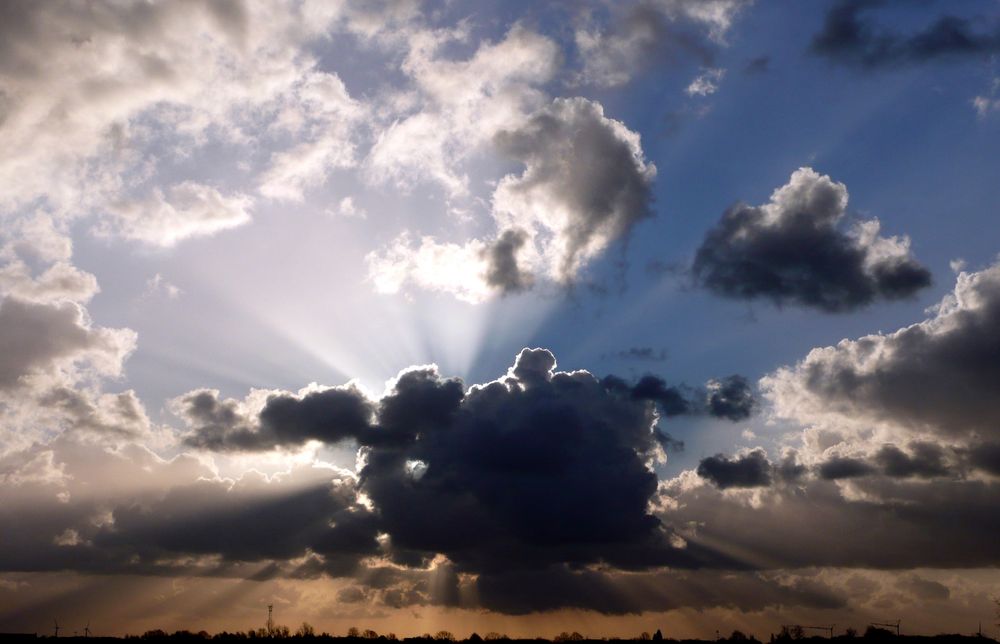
(657, 636)
(850, 632)
(445, 636)
(353, 632)
(644, 636)
(306, 630)
(369, 634)
(475, 637)
(493, 636)
(738, 636)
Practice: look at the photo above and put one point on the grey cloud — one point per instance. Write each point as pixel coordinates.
(927, 460)
(749, 470)
(792, 251)
(128, 511)
(39, 339)
(585, 182)
(330, 415)
(850, 37)
(731, 398)
(986, 457)
(938, 376)
(639, 33)
(925, 588)
(885, 523)
(503, 271)
(841, 467)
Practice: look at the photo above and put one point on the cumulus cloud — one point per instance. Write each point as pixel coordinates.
(849, 36)
(44, 341)
(585, 184)
(52, 359)
(536, 473)
(731, 398)
(793, 250)
(98, 97)
(570, 451)
(933, 378)
(751, 469)
(327, 415)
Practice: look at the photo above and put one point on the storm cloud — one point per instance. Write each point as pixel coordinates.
(794, 250)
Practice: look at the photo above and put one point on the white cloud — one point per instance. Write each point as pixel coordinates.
(706, 83)
(189, 209)
(462, 103)
(457, 269)
(347, 208)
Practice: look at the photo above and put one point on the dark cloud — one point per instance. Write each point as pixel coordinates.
(536, 468)
(731, 398)
(672, 401)
(502, 270)
(986, 457)
(842, 467)
(792, 251)
(926, 460)
(789, 469)
(329, 416)
(752, 469)
(540, 468)
(939, 376)
(849, 36)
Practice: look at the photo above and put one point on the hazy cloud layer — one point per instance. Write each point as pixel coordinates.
(795, 250)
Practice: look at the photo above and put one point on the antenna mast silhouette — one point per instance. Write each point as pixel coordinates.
(56, 622)
(270, 621)
(86, 629)
(888, 625)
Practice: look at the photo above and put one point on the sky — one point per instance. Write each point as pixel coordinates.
(499, 316)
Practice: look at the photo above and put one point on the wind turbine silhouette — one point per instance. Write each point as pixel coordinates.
(86, 629)
(56, 622)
